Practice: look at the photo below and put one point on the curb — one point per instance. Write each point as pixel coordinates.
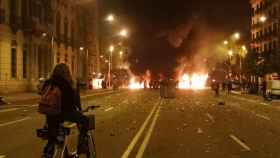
(84, 96)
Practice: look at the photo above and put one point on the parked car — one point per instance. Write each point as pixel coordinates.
(273, 85)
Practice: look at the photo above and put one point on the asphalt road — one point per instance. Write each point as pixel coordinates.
(141, 124)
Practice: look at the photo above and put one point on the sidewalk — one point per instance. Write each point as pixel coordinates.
(15, 98)
(274, 102)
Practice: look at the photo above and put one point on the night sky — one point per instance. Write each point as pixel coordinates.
(166, 34)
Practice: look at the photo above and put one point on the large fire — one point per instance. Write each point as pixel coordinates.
(194, 81)
(135, 85)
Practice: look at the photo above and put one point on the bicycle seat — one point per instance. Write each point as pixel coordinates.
(69, 125)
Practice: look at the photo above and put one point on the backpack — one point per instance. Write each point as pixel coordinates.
(50, 102)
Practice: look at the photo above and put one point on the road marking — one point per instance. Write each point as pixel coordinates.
(238, 141)
(109, 109)
(199, 131)
(263, 117)
(8, 110)
(264, 104)
(13, 122)
(252, 112)
(96, 94)
(148, 135)
(139, 133)
(210, 117)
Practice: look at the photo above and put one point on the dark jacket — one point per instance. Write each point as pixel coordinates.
(70, 99)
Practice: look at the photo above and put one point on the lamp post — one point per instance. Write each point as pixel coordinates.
(111, 49)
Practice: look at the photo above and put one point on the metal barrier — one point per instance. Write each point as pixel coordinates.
(168, 89)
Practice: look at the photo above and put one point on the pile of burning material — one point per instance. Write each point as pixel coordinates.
(194, 81)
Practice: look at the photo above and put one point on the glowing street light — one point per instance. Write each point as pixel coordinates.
(111, 48)
(263, 19)
(237, 35)
(225, 42)
(230, 53)
(121, 53)
(110, 18)
(244, 48)
(44, 34)
(82, 48)
(123, 33)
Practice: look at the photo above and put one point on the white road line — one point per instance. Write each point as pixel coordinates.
(137, 136)
(263, 117)
(8, 110)
(109, 109)
(210, 117)
(143, 146)
(2, 156)
(13, 122)
(91, 95)
(238, 141)
(264, 104)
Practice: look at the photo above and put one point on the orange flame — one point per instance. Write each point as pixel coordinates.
(135, 85)
(195, 81)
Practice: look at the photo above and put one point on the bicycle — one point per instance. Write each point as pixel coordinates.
(64, 130)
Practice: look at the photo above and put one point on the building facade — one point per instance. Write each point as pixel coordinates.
(35, 35)
(265, 40)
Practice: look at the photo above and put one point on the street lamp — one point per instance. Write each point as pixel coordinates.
(244, 48)
(123, 33)
(111, 49)
(236, 36)
(121, 53)
(263, 19)
(110, 18)
(225, 42)
(230, 53)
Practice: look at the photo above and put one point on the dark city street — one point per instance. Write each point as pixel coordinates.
(139, 78)
(141, 124)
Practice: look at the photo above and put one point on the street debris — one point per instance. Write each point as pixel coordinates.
(199, 131)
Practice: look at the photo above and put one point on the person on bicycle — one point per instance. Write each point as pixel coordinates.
(70, 110)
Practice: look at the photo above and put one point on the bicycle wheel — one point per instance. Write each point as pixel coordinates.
(92, 150)
(61, 152)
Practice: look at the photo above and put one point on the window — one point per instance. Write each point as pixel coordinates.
(24, 10)
(13, 8)
(2, 16)
(24, 64)
(65, 30)
(58, 58)
(275, 27)
(66, 58)
(73, 64)
(14, 63)
(58, 25)
(274, 44)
